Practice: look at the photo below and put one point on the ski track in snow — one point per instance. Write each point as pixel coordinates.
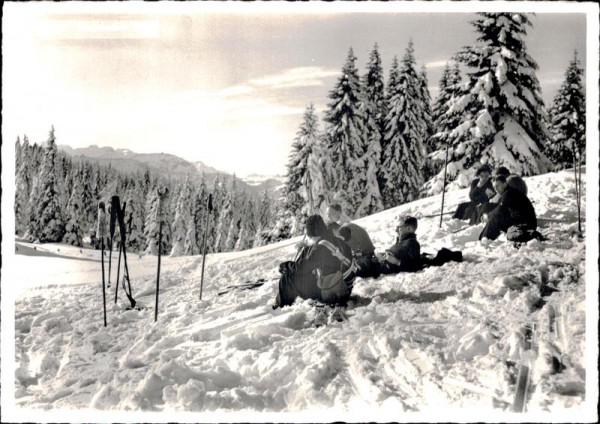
(444, 338)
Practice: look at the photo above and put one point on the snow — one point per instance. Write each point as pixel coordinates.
(422, 346)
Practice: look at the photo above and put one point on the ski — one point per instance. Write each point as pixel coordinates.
(248, 285)
(525, 371)
(121, 222)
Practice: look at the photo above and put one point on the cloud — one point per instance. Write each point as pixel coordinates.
(237, 90)
(438, 64)
(308, 76)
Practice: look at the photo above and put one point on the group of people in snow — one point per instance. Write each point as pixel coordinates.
(501, 202)
(337, 252)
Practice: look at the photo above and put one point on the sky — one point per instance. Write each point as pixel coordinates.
(220, 84)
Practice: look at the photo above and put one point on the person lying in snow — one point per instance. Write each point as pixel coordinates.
(405, 254)
(323, 271)
(363, 249)
(479, 195)
(514, 215)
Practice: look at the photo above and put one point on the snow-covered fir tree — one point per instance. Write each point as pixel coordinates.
(200, 197)
(501, 106)
(444, 121)
(305, 176)
(224, 234)
(23, 184)
(183, 221)
(90, 199)
(567, 119)
(374, 90)
(284, 224)
(247, 225)
(316, 180)
(297, 167)
(18, 155)
(218, 196)
(263, 220)
(373, 106)
(74, 231)
(346, 146)
(46, 221)
(237, 203)
(427, 117)
(426, 100)
(406, 132)
(135, 217)
(152, 224)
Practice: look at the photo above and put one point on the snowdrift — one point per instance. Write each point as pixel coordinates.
(444, 343)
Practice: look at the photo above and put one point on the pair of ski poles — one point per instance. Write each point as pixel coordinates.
(117, 215)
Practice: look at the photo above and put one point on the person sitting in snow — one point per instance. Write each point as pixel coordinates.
(479, 195)
(363, 249)
(324, 270)
(513, 181)
(514, 215)
(334, 218)
(405, 254)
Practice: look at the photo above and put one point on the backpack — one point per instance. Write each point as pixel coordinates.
(336, 287)
(443, 255)
(522, 234)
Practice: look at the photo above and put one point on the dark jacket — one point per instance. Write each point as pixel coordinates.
(408, 251)
(477, 194)
(514, 209)
(359, 240)
(320, 256)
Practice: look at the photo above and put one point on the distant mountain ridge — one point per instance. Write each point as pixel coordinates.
(167, 165)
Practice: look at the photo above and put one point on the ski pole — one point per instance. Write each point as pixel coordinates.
(115, 204)
(123, 234)
(210, 208)
(101, 233)
(118, 270)
(444, 186)
(161, 193)
(577, 189)
(111, 229)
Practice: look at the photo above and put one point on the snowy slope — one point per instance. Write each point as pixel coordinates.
(445, 343)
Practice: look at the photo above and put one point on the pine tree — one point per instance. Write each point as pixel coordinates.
(135, 217)
(299, 188)
(183, 221)
(406, 132)
(501, 107)
(567, 118)
(73, 230)
(444, 122)
(200, 210)
(263, 221)
(247, 226)
(18, 154)
(373, 106)
(426, 101)
(228, 213)
(345, 139)
(152, 224)
(46, 221)
(316, 180)
(218, 196)
(23, 183)
(374, 89)
(90, 199)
